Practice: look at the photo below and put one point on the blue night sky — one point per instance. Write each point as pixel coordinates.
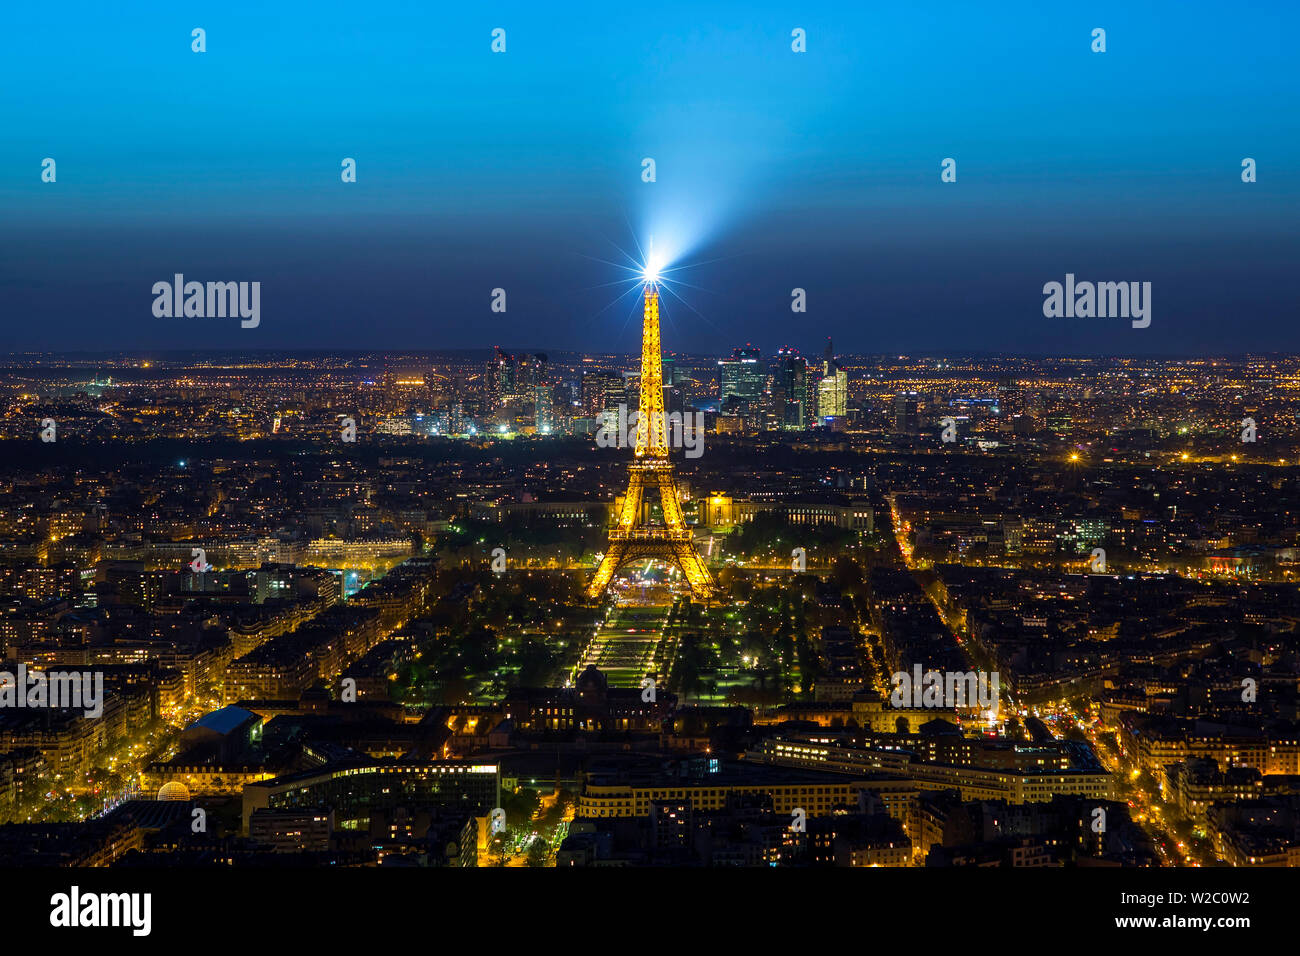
(775, 170)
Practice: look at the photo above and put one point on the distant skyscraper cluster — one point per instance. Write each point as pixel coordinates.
(744, 393)
(511, 378)
(518, 392)
(787, 393)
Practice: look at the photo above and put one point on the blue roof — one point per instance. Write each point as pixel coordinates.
(223, 721)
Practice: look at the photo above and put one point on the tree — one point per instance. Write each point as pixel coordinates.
(538, 851)
(497, 849)
(847, 575)
(520, 806)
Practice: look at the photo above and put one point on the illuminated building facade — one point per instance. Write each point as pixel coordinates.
(353, 792)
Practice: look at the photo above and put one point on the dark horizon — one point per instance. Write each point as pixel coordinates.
(475, 352)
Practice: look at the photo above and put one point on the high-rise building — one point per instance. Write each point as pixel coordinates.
(616, 394)
(1010, 397)
(791, 395)
(832, 388)
(742, 375)
(508, 378)
(544, 409)
(499, 378)
(833, 394)
(602, 391)
(670, 372)
(907, 413)
(530, 372)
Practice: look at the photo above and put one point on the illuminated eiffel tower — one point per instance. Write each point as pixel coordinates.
(633, 537)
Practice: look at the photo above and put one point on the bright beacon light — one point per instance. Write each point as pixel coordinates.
(653, 265)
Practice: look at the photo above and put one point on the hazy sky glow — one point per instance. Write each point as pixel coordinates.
(775, 170)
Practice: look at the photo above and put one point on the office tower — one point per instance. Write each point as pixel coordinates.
(907, 413)
(530, 372)
(591, 393)
(792, 399)
(617, 388)
(1010, 397)
(833, 394)
(499, 378)
(457, 421)
(742, 375)
(674, 400)
(601, 390)
(544, 409)
(833, 387)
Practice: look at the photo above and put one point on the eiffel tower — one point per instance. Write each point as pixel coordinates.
(633, 537)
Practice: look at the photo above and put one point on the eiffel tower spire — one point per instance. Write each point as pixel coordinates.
(633, 537)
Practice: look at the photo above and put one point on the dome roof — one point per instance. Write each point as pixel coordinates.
(591, 679)
(173, 790)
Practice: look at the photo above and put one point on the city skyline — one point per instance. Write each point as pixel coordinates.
(675, 442)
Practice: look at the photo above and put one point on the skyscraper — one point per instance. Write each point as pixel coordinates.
(498, 378)
(544, 408)
(742, 375)
(1010, 397)
(907, 413)
(602, 391)
(793, 405)
(833, 394)
(833, 387)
